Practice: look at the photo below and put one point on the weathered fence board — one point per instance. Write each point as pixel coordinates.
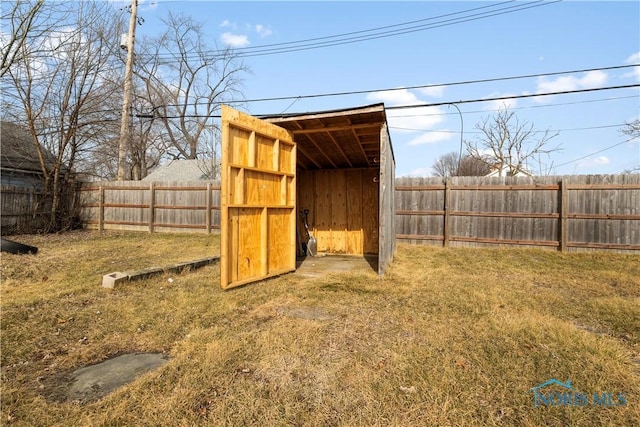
(567, 213)
(158, 206)
(570, 213)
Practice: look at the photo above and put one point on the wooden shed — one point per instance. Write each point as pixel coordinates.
(337, 164)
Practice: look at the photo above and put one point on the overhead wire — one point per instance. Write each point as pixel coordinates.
(375, 33)
(534, 131)
(437, 104)
(595, 152)
(557, 104)
(426, 86)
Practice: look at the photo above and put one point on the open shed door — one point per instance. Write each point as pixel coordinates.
(258, 200)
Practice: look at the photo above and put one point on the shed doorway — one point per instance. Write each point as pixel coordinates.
(338, 165)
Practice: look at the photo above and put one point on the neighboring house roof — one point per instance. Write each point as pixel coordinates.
(18, 152)
(180, 170)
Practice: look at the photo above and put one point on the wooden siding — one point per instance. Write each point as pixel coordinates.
(343, 209)
(387, 238)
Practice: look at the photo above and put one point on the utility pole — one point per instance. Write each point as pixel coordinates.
(125, 129)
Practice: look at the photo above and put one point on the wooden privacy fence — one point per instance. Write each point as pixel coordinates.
(569, 212)
(23, 210)
(155, 206)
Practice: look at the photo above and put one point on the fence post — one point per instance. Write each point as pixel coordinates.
(447, 208)
(209, 201)
(101, 208)
(564, 207)
(152, 205)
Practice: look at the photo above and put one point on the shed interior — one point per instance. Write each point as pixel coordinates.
(337, 174)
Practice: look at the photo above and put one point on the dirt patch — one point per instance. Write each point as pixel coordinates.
(96, 381)
(307, 313)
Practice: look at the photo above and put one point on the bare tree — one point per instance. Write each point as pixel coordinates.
(451, 164)
(509, 145)
(24, 21)
(632, 129)
(186, 81)
(58, 91)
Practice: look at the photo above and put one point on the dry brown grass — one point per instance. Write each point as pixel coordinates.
(447, 337)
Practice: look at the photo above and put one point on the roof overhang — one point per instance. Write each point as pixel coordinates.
(336, 139)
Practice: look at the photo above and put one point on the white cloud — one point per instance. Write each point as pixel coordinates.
(590, 79)
(263, 31)
(635, 71)
(432, 137)
(593, 162)
(410, 119)
(433, 91)
(234, 40)
(394, 97)
(501, 103)
(633, 59)
(224, 24)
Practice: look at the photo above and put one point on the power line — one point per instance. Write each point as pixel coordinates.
(535, 131)
(523, 108)
(376, 33)
(425, 86)
(502, 98)
(594, 153)
(468, 101)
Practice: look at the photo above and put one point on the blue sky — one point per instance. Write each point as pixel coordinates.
(546, 38)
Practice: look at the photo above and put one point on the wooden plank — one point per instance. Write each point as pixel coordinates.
(603, 216)
(261, 170)
(339, 147)
(595, 245)
(320, 150)
(323, 214)
(279, 253)
(370, 207)
(355, 238)
(524, 215)
(419, 187)
(249, 247)
(208, 207)
(504, 241)
(267, 154)
(447, 210)
(101, 210)
(418, 237)
(268, 239)
(612, 186)
(564, 210)
(339, 221)
(419, 212)
(386, 191)
(152, 212)
(505, 187)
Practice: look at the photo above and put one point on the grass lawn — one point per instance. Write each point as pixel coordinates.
(453, 337)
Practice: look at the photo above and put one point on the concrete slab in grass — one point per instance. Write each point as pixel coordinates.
(111, 280)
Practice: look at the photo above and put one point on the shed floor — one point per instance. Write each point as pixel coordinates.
(319, 266)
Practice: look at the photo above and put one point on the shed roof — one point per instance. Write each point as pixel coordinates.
(347, 138)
